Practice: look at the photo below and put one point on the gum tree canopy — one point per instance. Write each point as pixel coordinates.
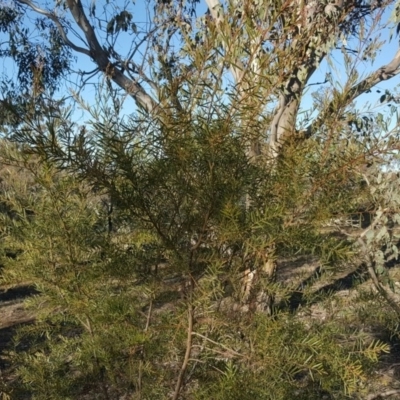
(259, 54)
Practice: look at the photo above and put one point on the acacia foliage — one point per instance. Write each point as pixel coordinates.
(138, 240)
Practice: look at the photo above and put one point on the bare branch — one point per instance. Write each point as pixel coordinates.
(383, 395)
(218, 344)
(58, 24)
(186, 358)
(385, 72)
(391, 299)
(100, 56)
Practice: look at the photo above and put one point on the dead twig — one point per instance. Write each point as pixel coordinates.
(187, 353)
(383, 395)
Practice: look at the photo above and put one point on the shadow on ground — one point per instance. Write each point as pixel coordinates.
(17, 293)
(12, 315)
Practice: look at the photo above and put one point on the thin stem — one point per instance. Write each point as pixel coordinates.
(388, 296)
(187, 353)
(88, 326)
(218, 344)
(140, 378)
(383, 394)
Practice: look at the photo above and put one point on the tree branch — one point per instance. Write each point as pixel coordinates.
(215, 8)
(186, 358)
(100, 56)
(388, 296)
(383, 394)
(385, 72)
(58, 24)
(282, 123)
(233, 352)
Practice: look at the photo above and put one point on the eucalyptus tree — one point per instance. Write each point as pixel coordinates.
(172, 56)
(153, 50)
